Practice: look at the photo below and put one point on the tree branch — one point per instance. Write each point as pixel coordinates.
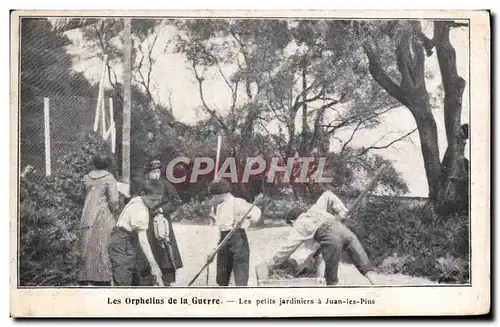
(373, 147)
(151, 60)
(212, 113)
(234, 90)
(344, 146)
(403, 58)
(104, 49)
(245, 58)
(319, 117)
(381, 77)
(299, 103)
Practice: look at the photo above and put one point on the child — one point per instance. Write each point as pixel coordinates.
(322, 224)
(97, 223)
(234, 256)
(164, 246)
(130, 236)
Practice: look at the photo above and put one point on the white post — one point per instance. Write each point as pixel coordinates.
(217, 158)
(103, 117)
(111, 113)
(46, 119)
(100, 96)
(112, 125)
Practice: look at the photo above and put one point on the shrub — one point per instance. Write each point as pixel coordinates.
(194, 211)
(50, 210)
(404, 240)
(414, 241)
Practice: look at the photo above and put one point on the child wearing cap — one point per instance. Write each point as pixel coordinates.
(234, 256)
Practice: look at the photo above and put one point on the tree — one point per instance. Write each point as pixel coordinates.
(45, 63)
(279, 70)
(323, 74)
(411, 44)
(248, 48)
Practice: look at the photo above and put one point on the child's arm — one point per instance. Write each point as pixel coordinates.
(146, 248)
(242, 207)
(112, 193)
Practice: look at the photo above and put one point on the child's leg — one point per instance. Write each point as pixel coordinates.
(356, 252)
(319, 265)
(123, 258)
(331, 249)
(240, 252)
(168, 276)
(224, 265)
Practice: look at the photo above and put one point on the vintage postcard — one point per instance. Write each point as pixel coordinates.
(250, 163)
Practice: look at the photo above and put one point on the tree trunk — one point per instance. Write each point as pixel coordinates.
(127, 82)
(454, 177)
(447, 181)
(304, 107)
(247, 129)
(413, 94)
(427, 130)
(291, 135)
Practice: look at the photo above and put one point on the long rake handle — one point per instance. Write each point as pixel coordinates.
(224, 241)
(365, 192)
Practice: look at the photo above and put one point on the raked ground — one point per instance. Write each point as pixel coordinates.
(196, 241)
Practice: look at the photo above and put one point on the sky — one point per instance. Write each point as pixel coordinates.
(172, 81)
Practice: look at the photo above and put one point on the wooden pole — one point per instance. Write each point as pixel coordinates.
(46, 119)
(367, 190)
(127, 81)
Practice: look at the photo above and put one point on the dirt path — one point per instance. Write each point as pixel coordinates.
(195, 243)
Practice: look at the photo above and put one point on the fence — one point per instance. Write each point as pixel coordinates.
(53, 126)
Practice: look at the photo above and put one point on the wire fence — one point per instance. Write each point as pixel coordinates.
(69, 118)
(58, 104)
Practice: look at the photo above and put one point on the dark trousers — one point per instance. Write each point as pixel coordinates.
(123, 255)
(334, 238)
(167, 276)
(234, 257)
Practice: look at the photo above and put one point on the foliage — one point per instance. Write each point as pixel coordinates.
(406, 239)
(50, 210)
(275, 69)
(194, 211)
(362, 168)
(46, 65)
(411, 240)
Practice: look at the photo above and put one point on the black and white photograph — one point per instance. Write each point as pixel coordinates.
(182, 155)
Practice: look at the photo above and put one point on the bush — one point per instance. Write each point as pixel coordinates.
(50, 210)
(194, 211)
(198, 211)
(413, 241)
